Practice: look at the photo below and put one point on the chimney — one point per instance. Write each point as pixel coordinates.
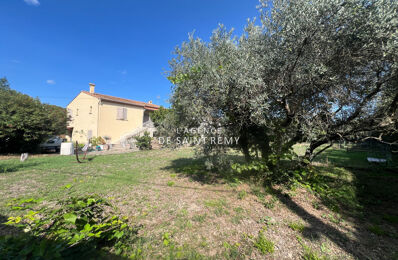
(92, 87)
(150, 102)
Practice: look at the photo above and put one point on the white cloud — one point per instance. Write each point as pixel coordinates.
(124, 72)
(158, 97)
(50, 81)
(32, 2)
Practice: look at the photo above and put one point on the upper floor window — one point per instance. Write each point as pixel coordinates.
(121, 113)
(91, 109)
(77, 111)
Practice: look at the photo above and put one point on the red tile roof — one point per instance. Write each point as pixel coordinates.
(147, 106)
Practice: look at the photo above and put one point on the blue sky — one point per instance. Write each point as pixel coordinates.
(52, 49)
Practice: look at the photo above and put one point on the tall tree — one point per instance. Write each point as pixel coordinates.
(317, 71)
(25, 121)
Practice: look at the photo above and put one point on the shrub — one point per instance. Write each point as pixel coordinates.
(97, 141)
(144, 142)
(76, 228)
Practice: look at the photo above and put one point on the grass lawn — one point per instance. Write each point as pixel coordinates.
(345, 210)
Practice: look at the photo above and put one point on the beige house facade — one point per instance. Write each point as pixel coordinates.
(92, 114)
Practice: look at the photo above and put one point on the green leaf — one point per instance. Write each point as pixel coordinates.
(70, 217)
(87, 227)
(67, 186)
(118, 234)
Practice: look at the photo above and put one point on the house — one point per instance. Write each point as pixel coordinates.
(92, 114)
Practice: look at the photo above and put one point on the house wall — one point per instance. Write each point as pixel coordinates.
(109, 125)
(84, 115)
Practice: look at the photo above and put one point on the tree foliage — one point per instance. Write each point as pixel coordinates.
(144, 142)
(25, 121)
(318, 71)
(160, 115)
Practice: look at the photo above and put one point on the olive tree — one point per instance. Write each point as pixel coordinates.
(318, 71)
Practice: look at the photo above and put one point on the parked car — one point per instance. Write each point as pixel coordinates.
(52, 144)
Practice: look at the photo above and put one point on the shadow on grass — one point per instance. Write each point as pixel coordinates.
(367, 196)
(16, 244)
(196, 170)
(318, 227)
(6, 167)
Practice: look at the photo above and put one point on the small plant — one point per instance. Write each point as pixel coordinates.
(393, 219)
(231, 251)
(335, 218)
(218, 205)
(263, 244)
(270, 204)
(310, 254)
(22, 204)
(144, 142)
(170, 183)
(67, 230)
(97, 141)
(267, 221)
(200, 218)
(257, 191)
(239, 210)
(315, 204)
(296, 226)
(376, 229)
(242, 194)
(166, 239)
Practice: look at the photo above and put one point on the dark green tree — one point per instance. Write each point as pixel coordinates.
(25, 121)
(160, 115)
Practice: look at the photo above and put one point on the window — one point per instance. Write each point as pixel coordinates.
(121, 113)
(77, 111)
(91, 109)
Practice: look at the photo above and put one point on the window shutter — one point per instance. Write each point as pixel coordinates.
(119, 115)
(125, 113)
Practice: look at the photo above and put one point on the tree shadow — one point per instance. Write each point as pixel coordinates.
(17, 244)
(318, 228)
(196, 170)
(357, 194)
(368, 198)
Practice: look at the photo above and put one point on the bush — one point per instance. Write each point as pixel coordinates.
(144, 142)
(97, 141)
(78, 227)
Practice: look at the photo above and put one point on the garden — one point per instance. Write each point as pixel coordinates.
(165, 204)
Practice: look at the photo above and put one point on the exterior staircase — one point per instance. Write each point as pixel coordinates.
(127, 141)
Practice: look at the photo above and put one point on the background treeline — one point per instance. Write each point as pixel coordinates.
(25, 121)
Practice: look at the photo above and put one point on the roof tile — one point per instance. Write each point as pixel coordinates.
(147, 106)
